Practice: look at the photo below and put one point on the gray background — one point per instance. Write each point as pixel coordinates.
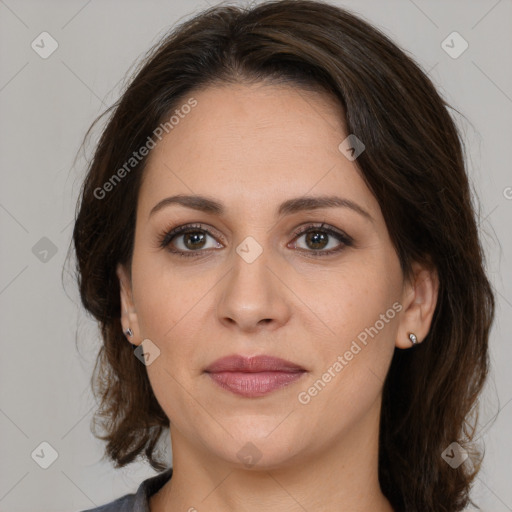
(46, 106)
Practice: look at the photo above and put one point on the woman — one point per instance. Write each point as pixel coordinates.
(278, 240)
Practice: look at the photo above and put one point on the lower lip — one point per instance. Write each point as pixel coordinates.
(254, 384)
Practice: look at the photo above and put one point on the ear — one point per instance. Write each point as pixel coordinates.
(128, 312)
(419, 299)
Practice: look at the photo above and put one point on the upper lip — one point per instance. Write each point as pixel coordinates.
(260, 363)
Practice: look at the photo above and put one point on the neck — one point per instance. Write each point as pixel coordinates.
(343, 477)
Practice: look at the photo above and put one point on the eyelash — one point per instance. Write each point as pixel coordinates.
(166, 238)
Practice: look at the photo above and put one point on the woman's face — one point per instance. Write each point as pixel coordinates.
(242, 282)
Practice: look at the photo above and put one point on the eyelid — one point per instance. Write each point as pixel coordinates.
(322, 227)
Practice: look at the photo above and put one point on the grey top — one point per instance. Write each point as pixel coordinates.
(138, 502)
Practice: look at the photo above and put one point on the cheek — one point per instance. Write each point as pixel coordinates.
(165, 297)
(172, 308)
(358, 309)
(350, 366)
(352, 298)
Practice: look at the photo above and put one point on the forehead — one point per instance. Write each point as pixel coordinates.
(255, 140)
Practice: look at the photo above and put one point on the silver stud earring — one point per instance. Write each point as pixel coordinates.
(129, 332)
(413, 338)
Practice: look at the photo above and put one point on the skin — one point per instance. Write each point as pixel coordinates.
(250, 148)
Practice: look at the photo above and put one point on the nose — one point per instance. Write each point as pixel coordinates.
(253, 297)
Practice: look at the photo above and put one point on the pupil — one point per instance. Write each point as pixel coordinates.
(196, 237)
(316, 238)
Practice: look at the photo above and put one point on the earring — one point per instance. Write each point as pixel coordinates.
(413, 338)
(129, 332)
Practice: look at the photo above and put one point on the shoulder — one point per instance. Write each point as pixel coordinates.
(124, 504)
(138, 502)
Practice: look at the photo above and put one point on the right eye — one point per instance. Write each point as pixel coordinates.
(191, 236)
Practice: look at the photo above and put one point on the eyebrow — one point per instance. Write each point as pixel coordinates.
(297, 204)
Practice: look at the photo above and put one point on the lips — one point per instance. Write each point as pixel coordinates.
(262, 363)
(253, 377)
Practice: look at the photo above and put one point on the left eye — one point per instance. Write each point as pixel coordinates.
(318, 238)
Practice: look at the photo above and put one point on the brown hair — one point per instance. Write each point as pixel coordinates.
(413, 164)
